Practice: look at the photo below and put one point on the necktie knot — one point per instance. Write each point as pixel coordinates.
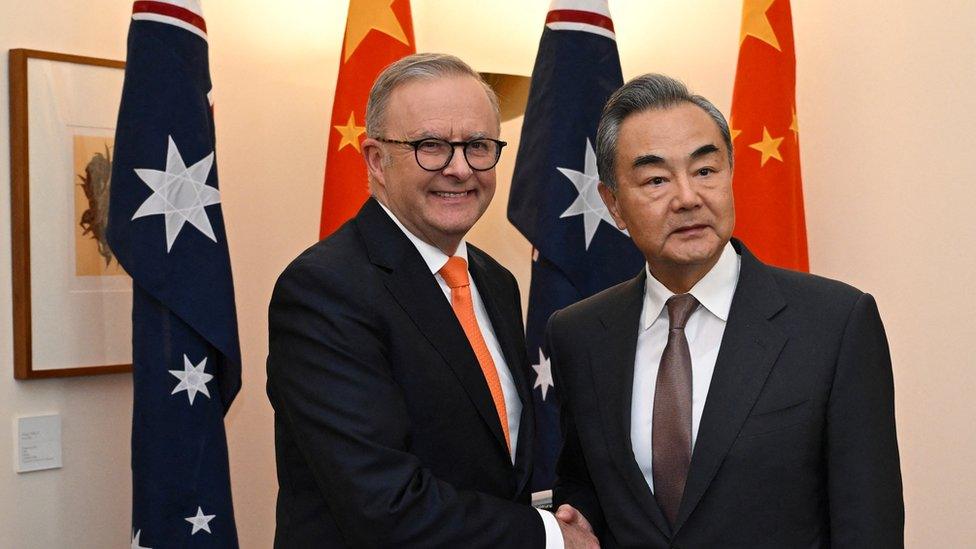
(455, 272)
(680, 308)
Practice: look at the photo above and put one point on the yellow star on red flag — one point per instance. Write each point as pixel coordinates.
(769, 147)
(350, 133)
(756, 24)
(367, 15)
(378, 32)
(768, 195)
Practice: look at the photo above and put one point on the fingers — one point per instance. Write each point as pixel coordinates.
(570, 515)
(576, 536)
(567, 513)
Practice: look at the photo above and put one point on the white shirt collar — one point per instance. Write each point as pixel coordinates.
(714, 291)
(433, 256)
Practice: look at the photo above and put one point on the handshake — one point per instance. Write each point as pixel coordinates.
(576, 530)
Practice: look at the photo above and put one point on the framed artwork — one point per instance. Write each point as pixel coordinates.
(72, 302)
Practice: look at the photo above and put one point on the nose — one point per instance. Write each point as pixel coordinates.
(458, 167)
(686, 195)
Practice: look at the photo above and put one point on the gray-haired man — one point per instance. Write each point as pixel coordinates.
(714, 401)
(397, 365)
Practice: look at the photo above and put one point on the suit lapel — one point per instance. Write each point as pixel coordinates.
(505, 322)
(748, 351)
(613, 379)
(416, 290)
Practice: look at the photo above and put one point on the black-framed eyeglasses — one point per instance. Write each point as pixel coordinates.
(435, 154)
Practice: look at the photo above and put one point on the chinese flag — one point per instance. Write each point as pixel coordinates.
(378, 32)
(768, 190)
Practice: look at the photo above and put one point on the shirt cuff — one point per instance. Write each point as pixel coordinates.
(554, 536)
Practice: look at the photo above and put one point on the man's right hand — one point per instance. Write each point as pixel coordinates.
(576, 530)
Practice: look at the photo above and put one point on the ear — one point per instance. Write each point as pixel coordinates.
(610, 199)
(374, 156)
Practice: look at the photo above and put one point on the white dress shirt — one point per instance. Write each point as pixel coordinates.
(704, 331)
(435, 260)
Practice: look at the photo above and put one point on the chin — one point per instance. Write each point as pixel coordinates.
(696, 256)
(455, 229)
(459, 222)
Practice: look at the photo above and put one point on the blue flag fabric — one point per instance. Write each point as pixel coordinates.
(167, 230)
(554, 200)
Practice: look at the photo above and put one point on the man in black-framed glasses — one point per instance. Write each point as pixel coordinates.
(397, 364)
(414, 127)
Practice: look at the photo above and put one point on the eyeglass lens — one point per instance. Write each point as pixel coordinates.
(435, 154)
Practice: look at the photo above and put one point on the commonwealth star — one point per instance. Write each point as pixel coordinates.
(180, 194)
(588, 203)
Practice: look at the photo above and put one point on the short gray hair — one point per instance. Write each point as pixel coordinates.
(419, 66)
(646, 92)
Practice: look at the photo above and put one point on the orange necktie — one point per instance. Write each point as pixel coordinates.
(455, 273)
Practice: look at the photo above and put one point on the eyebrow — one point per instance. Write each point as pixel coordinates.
(704, 150)
(655, 160)
(647, 160)
(426, 134)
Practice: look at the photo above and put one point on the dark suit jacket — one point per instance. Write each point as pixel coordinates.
(385, 431)
(796, 445)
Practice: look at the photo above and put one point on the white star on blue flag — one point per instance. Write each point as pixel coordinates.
(588, 203)
(179, 194)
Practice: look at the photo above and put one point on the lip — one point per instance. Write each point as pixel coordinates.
(453, 195)
(690, 230)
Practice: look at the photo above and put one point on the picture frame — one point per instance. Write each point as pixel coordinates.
(72, 303)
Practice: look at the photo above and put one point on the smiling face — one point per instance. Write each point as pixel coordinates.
(674, 191)
(438, 207)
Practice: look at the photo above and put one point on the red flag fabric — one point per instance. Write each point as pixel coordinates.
(378, 32)
(768, 190)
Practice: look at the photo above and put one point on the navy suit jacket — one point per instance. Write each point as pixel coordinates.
(796, 445)
(385, 431)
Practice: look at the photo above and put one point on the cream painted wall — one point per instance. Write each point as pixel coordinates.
(885, 112)
(88, 499)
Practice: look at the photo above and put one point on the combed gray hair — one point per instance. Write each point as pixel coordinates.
(419, 66)
(646, 92)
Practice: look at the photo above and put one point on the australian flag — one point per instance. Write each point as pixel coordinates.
(167, 230)
(555, 202)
